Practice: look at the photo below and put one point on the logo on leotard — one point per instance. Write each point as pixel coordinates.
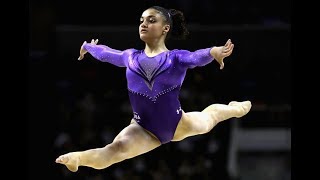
(178, 110)
(136, 116)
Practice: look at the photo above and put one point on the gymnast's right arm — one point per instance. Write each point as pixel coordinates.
(102, 53)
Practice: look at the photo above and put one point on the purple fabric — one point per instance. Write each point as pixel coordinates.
(154, 83)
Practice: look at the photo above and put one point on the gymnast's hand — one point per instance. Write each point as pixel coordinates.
(220, 52)
(83, 51)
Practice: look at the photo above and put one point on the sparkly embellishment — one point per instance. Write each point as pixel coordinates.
(154, 99)
(149, 68)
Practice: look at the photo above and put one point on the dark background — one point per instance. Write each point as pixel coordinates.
(76, 105)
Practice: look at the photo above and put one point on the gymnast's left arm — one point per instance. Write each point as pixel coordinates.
(203, 57)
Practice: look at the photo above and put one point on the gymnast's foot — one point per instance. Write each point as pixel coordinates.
(71, 160)
(243, 107)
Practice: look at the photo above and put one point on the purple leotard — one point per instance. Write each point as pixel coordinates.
(154, 83)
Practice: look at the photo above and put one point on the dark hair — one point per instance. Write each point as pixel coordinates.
(176, 20)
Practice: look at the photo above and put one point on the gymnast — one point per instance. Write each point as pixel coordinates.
(155, 75)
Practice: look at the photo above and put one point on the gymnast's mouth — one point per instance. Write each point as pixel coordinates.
(143, 31)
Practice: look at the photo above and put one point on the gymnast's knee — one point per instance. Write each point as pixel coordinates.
(120, 146)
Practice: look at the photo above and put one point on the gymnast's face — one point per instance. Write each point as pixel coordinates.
(152, 25)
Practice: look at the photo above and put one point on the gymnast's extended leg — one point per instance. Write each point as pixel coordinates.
(130, 142)
(195, 123)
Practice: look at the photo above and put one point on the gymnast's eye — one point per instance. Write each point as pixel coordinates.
(151, 20)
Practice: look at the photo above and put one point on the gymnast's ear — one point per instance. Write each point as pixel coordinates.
(166, 28)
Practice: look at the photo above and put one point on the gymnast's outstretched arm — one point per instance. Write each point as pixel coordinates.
(203, 57)
(103, 53)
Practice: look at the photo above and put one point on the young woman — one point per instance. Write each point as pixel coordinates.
(154, 77)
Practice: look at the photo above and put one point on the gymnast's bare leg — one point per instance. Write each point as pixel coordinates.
(134, 140)
(130, 142)
(195, 123)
